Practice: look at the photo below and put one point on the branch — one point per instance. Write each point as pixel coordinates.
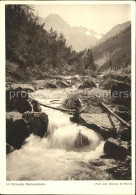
(60, 109)
(115, 115)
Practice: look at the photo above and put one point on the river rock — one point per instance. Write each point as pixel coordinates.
(129, 150)
(24, 106)
(62, 84)
(37, 121)
(9, 148)
(113, 148)
(17, 131)
(121, 92)
(36, 106)
(100, 123)
(22, 87)
(122, 89)
(87, 84)
(17, 100)
(76, 79)
(107, 84)
(124, 115)
(81, 141)
(125, 134)
(51, 85)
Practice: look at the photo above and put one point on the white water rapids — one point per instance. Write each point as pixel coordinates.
(63, 154)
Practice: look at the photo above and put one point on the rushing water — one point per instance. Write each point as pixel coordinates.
(63, 154)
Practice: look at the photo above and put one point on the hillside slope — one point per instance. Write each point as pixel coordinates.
(114, 52)
(34, 53)
(114, 31)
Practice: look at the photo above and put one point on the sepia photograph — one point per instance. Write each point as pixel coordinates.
(68, 91)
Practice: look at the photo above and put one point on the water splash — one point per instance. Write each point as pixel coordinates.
(58, 155)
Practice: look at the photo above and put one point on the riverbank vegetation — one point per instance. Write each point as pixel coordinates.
(36, 53)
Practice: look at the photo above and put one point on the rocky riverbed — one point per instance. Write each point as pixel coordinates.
(25, 117)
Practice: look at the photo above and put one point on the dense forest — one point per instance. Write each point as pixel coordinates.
(117, 50)
(36, 53)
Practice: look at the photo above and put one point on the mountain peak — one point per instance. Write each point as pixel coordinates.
(56, 22)
(52, 16)
(79, 37)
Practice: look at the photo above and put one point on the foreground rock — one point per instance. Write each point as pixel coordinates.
(87, 84)
(121, 170)
(36, 106)
(17, 130)
(38, 122)
(99, 123)
(125, 134)
(113, 149)
(19, 127)
(107, 84)
(17, 99)
(81, 141)
(121, 92)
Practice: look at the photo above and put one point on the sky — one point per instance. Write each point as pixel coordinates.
(100, 18)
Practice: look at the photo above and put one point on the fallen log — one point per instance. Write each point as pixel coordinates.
(115, 115)
(60, 109)
(110, 119)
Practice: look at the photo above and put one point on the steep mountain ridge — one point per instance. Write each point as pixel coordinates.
(114, 31)
(115, 51)
(77, 37)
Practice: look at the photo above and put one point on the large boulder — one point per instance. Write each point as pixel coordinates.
(36, 106)
(107, 84)
(17, 100)
(24, 105)
(121, 92)
(125, 134)
(103, 127)
(113, 149)
(124, 115)
(87, 84)
(17, 130)
(81, 141)
(120, 89)
(37, 121)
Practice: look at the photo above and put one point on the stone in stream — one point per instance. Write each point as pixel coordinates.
(99, 123)
(87, 84)
(81, 141)
(17, 100)
(37, 121)
(36, 106)
(63, 84)
(51, 85)
(113, 148)
(17, 130)
(24, 105)
(125, 134)
(121, 92)
(107, 84)
(124, 115)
